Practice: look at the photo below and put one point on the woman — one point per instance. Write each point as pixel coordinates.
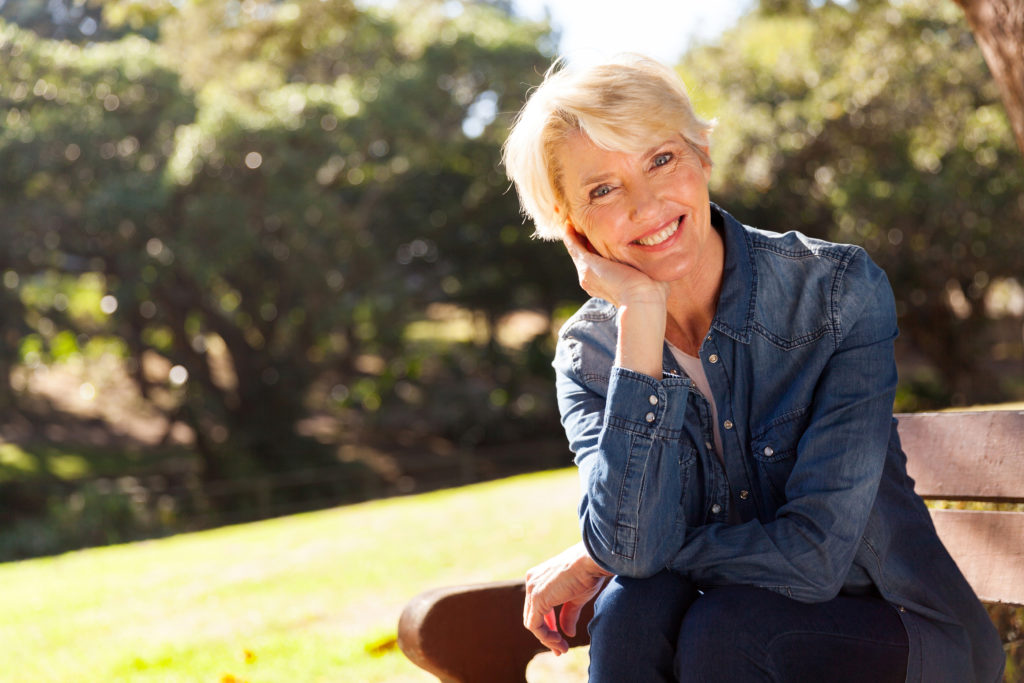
(728, 395)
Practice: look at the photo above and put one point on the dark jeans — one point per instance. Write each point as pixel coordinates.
(662, 629)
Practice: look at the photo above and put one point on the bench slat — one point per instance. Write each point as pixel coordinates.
(989, 549)
(967, 455)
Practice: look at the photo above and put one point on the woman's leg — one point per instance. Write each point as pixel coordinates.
(635, 628)
(750, 634)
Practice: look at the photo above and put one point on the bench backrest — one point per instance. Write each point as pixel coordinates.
(974, 456)
(474, 634)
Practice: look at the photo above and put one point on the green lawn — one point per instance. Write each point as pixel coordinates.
(312, 597)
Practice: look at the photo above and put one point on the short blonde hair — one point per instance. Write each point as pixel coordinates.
(626, 105)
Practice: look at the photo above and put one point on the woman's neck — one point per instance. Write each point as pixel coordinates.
(692, 301)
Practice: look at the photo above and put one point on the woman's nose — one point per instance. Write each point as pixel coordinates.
(644, 203)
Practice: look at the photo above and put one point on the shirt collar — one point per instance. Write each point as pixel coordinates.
(739, 278)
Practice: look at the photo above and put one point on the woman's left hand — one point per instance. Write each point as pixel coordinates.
(570, 579)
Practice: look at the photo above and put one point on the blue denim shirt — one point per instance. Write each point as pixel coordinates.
(812, 495)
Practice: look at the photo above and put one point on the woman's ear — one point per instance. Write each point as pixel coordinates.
(704, 145)
(563, 218)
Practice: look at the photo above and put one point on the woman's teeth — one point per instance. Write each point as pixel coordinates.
(660, 236)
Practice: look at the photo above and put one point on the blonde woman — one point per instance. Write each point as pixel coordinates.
(746, 514)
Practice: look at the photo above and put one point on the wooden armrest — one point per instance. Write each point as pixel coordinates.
(474, 634)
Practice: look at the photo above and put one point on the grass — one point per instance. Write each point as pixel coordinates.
(311, 597)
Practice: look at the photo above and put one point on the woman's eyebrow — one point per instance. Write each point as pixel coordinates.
(659, 147)
(597, 178)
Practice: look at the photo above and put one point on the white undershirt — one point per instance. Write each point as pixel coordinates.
(695, 371)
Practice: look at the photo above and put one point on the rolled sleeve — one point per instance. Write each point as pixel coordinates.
(632, 478)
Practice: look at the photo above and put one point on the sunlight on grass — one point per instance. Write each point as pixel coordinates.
(312, 597)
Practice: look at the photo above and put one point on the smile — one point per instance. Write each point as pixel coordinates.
(662, 235)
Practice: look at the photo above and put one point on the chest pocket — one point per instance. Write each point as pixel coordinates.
(774, 450)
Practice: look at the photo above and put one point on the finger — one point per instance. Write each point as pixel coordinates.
(569, 617)
(549, 621)
(576, 242)
(549, 638)
(573, 245)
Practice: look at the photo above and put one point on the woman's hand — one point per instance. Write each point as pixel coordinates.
(570, 579)
(617, 283)
(642, 304)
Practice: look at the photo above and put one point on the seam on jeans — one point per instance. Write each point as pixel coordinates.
(838, 636)
(769, 646)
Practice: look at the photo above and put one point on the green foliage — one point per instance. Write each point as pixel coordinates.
(274, 198)
(274, 188)
(897, 141)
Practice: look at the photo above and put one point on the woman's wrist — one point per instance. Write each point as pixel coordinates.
(641, 338)
(586, 563)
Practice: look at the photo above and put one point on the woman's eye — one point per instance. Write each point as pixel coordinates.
(662, 159)
(599, 192)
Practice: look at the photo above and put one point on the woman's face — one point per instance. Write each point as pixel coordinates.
(649, 210)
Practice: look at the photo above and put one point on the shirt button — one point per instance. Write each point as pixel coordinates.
(649, 417)
(713, 358)
(769, 451)
(707, 444)
(744, 494)
(716, 508)
(727, 424)
(653, 399)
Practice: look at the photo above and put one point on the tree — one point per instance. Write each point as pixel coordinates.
(269, 195)
(998, 26)
(896, 142)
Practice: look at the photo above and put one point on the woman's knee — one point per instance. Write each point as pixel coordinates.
(718, 639)
(751, 634)
(636, 625)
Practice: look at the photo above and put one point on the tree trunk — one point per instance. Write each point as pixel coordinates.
(998, 26)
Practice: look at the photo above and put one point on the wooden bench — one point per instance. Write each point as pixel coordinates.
(474, 634)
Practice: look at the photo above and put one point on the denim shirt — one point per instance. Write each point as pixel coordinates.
(811, 496)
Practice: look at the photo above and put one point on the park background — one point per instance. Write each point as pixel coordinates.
(260, 258)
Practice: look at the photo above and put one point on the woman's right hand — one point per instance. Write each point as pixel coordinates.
(642, 304)
(618, 283)
(570, 579)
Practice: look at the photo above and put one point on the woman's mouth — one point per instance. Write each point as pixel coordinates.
(660, 236)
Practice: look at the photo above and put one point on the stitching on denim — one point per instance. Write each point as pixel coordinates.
(835, 312)
(789, 344)
(618, 543)
(782, 419)
(836, 253)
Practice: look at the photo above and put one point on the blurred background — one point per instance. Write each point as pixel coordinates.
(260, 257)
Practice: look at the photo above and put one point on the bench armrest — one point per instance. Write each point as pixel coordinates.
(474, 634)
